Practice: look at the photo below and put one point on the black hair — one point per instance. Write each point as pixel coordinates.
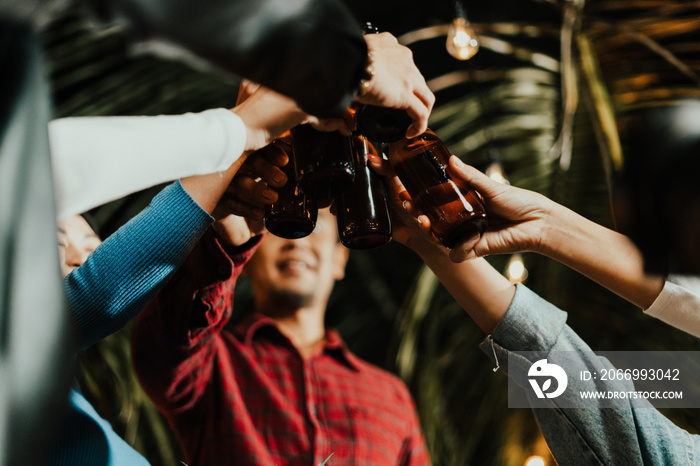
(91, 222)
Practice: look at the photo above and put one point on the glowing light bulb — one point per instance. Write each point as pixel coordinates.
(535, 461)
(516, 271)
(461, 40)
(495, 172)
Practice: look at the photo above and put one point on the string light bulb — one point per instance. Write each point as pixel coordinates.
(461, 38)
(535, 461)
(516, 271)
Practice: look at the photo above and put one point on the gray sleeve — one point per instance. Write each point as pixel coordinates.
(310, 50)
(630, 432)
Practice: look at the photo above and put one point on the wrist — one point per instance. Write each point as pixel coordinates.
(232, 231)
(266, 117)
(566, 234)
(255, 137)
(427, 250)
(555, 230)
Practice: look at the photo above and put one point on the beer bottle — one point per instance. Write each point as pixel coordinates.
(294, 213)
(456, 213)
(363, 211)
(323, 162)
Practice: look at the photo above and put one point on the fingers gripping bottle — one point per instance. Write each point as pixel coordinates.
(456, 213)
(381, 124)
(294, 214)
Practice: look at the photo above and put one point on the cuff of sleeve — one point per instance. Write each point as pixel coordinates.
(219, 263)
(179, 208)
(678, 306)
(661, 304)
(241, 254)
(234, 131)
(530, 324)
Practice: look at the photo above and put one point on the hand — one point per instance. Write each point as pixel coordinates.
(236, 231)
(397, 82)
(518, 218)
(249, 192)
(345, 124)
(408, 225)
(266, 114)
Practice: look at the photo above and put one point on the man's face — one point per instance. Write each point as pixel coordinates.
(301, 272)
(76, 240)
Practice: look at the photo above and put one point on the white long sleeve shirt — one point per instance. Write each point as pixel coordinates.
(678, 304)
(99, 159)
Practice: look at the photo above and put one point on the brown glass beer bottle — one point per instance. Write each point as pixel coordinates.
(294, 214)
(456, 213)
(323, 161)
(363, 212)
(382, 124)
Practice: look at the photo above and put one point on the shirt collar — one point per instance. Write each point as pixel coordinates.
(256, 323)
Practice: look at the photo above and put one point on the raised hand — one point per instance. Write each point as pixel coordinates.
(518, 218)
(397, 82)
(408, 225)
(248, 193)
(266, 114)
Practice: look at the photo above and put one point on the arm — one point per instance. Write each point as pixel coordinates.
(312, 51)
(99, 159)
(518, 320)
(124, 272)
(96, 160)
(177, 337)
(630, 432)
(627, 431)
(523, 220)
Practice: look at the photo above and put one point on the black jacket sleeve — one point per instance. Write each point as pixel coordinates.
(309, 50)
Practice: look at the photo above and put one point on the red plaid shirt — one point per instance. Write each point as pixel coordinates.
(247, 397)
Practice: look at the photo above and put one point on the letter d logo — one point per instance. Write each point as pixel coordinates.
(542, 369)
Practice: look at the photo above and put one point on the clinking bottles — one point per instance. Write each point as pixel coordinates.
(382, 124)
(294, 214)
(456, 214)
(323, 162)
(363, 212)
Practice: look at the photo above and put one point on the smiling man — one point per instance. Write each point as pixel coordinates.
(279, 388)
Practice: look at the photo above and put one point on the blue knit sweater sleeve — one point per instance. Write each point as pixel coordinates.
(127, 270)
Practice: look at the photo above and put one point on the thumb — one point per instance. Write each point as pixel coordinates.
(473, 177)
(478, 246)
(245, 90)
(465, 250)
